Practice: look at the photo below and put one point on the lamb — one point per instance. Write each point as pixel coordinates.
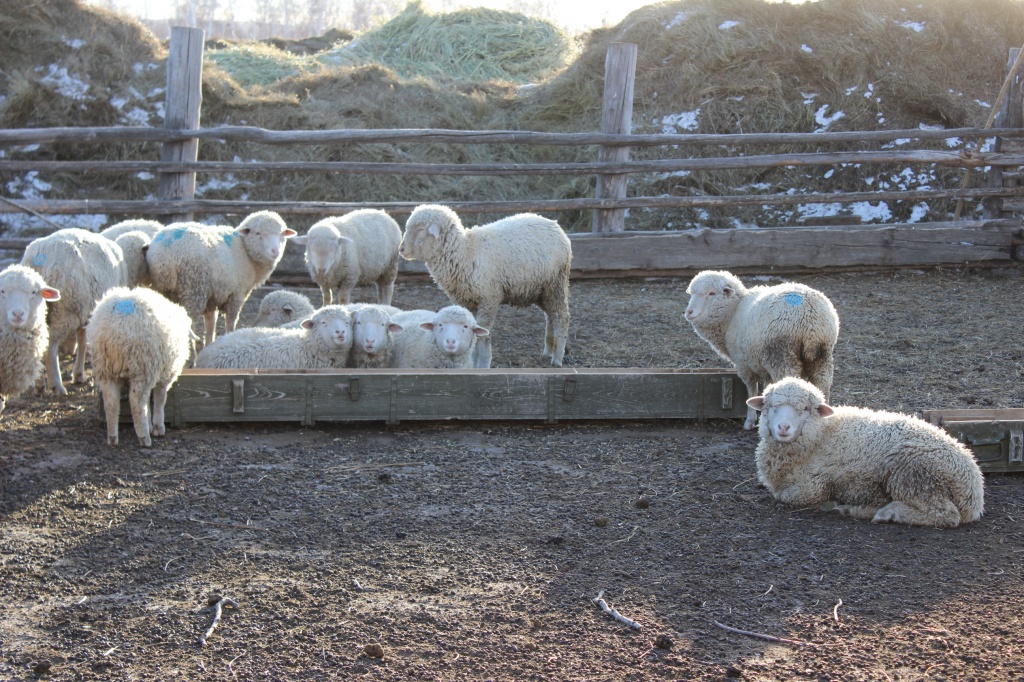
(139, 340)
(357, 249)
(441, 340)
(882, 466)
(24, 336)
(520, 260)
(768, 332)
(209, 269)
(149, 227)
(134, 244)
(83, 266)
(373, 331)
(282, 307)
(323, 341)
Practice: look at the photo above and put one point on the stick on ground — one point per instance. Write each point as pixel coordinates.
(615, 614)
(770, 638)
(218, 609)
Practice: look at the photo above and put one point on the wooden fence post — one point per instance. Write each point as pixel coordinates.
(1011, 115)
(184, 99)
(616, 119)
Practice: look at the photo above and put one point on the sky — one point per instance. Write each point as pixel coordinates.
(571, 15)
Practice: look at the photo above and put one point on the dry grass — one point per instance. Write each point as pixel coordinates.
(747, 65)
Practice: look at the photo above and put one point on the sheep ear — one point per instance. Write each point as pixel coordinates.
(50, 294)
(434, 230)
(287, 307)
(243, 230)
(288, 233)
(429, 326)
(301, 241)
(342, 239)
(394, 327)
(728, 291)
(307, 323)
(825, 411)
(757, 402)
(480, 331)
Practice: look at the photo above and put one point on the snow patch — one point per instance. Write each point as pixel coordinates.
(822, 118)
(677, 19)
(806, 48)
(59, 79)
(686, 120)
(915, 26)
(729, 23)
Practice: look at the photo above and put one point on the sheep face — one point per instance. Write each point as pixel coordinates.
(264, 236)
(370, 329)
(787, 407)
(333, 325)
(709, 299)
(23, 297)
(454, 335)
(423, 230)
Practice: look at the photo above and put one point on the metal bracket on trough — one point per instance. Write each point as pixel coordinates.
(238, 396)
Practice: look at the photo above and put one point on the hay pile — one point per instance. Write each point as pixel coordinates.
(715, 66)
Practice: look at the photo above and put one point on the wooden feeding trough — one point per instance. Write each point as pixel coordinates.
(394, 396)
(996, 437)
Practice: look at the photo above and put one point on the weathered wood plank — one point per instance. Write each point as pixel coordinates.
(184, 99)
(616, 119)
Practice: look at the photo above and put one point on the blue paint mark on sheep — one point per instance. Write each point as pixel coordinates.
(229, 237)
(39, 260)
(125, 307)
(169, 236)
(794, 299)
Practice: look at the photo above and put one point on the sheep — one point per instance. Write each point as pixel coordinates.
(149, 227)
(282, 307)
(24, 336)
(442, 340)
(373, 330)
(139, 340)
(882, 466)
(323, 341)
(209, 269)
(520, 260)
(134, 244)
(768, 332)
(357, 249)
(82, 266)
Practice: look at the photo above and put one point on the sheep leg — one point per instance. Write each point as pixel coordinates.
(209, 326)
(232, 309)
(820, 373)
(111, 391)
(938, 513)
(138, 398)
(52, 362)
(857, 511)
(159, 402)
(78, 372)
(555, 336)
(385, 291)
(751, 381)
(327, 294)
(485, 316)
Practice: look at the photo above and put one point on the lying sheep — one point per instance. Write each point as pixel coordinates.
(282, 307)
(83, 266)
(208, 269)
(140, 341)
(768, 332)
(148, 227)
(882, 466)
(441, 340)
(373, 330)
(24, 336)
(356, 249)
(521, 260)
(323, 341)
(134, 244)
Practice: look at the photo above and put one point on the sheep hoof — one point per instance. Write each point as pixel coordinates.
(145, 442)
(159, 430)
(112, 440)
(886, 515)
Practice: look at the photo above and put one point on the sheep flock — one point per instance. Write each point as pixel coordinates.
(132, 297)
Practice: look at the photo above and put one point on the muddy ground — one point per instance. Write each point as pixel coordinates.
(472, 551)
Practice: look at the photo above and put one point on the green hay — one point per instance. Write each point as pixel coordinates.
(467, 45)
(259, 64)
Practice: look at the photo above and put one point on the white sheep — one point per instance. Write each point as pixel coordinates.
(282, 307)
(768, 332)
(149, 227)
(521, 260)
(24, 336)
(138, 340)
(357, 249)
(208, 269)
(373, 331)
(134, 244)
(881, 466)
(442, 340)
(323, 341)
(83, 266)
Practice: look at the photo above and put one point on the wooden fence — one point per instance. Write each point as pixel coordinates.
(995, 239)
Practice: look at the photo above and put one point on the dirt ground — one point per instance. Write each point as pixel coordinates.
(473, 551)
